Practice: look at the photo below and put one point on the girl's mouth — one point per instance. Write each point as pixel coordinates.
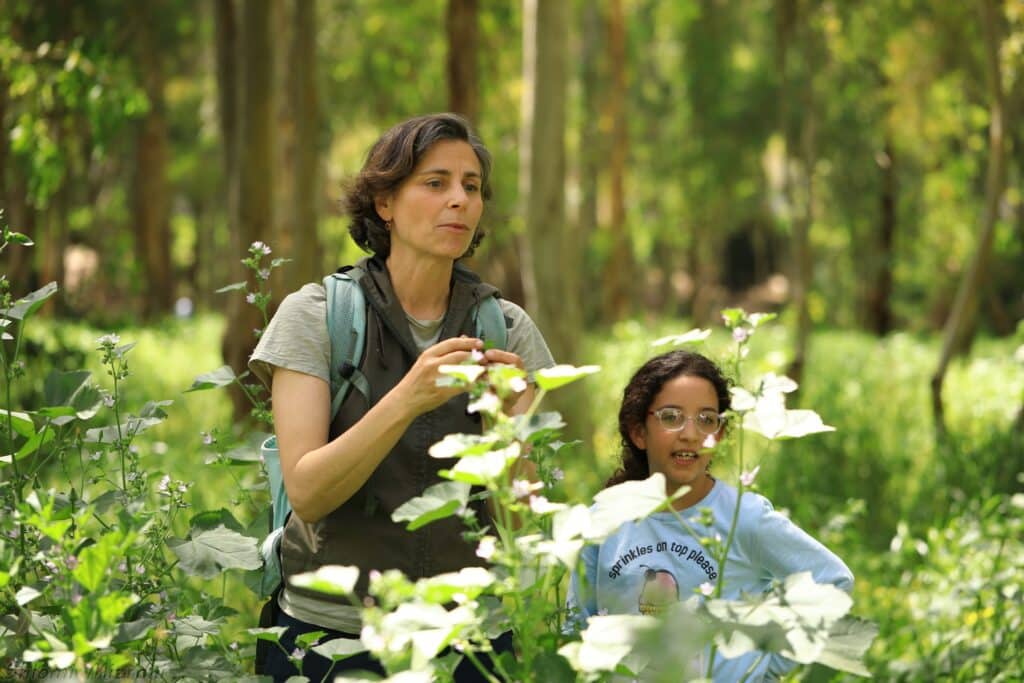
(685, 455)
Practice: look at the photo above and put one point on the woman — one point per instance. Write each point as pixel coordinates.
(671, 417)
(416, 205)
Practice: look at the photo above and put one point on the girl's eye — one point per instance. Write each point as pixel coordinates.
(472, 187)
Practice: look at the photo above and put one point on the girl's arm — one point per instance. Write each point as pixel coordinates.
(319, 475)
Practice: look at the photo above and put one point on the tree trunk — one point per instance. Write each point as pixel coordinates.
(226, 57)
(619, 270)
(960, 325)
(591, 148)
(462, 27)
(308, 262)
(151, 193)
(255, 179)
(880, 288)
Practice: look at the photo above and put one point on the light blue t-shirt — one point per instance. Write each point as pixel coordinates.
(654, 561)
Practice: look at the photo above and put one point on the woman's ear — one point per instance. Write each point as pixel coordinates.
(382, 203)
(638, 435)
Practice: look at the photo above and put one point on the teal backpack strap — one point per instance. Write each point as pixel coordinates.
(346, 325)
(490, 322)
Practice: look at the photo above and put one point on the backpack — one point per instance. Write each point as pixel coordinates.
(346, 325)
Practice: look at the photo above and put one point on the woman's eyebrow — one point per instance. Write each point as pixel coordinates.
(446, 172)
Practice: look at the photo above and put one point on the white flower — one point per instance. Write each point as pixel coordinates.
(109, 340)
(164, 483)
(518, 384)
(707, 589)
(260, 247)
(710, 441)
(522, 488)
(487, 403)
(476, 355)
(486, 548)
(740, 334)
(557, 474)
(108, 400)
(748, 477)
(250, 298)
(263, 274)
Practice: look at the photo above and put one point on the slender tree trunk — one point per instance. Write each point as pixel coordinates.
(255, 179)
(151, 192)
(462, 27)
(591, 148)
(619, 270)
(226, 44)
(308, 253)
(880, 287)
(960, 325)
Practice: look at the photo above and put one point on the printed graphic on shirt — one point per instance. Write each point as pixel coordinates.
(660, 590)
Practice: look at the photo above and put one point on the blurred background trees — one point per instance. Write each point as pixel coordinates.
(848, 164)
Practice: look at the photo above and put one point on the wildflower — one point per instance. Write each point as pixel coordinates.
(96, 456)
(108, 400)
(132, 476)
(486, 548)
(259, 248)
(557, 474)
(518, 384)
(182, 487)
(233, 645)
(710, 441)
(108, 340)
(72, 562)
(263, 274)
(250, 298)
(521, 488)
(164, 483)
(476, 356)
(747, 478)
(488, 403)
(140, 569)
(208, 438)
(123, 567)
(707, 589)
(740, 335)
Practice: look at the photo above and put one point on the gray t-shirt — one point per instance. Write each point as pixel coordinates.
(297, 339)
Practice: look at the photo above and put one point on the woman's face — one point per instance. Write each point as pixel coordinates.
(682, 456)
(435, 211)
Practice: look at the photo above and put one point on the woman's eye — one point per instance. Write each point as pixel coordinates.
(434, 182)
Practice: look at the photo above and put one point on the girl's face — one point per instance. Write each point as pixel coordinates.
(678, 454)
(435, 211)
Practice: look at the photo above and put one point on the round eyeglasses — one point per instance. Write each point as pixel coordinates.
(674, 419)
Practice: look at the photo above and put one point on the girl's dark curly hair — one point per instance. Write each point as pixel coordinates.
(639, 394)
(391, 160)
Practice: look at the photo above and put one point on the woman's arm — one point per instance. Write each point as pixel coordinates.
(319, 475)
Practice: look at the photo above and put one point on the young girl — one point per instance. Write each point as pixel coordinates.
(672, 414)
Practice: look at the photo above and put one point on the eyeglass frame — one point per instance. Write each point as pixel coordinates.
(687, 419)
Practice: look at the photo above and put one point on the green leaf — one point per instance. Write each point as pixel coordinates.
(456, 445)
(192, 631)
(271, 633)
(234, 286)
(18, 238)
(468, 372)
(129, 428)
(130, 631)
(469, 581)
(560, 375)
(331, 579)
(624, 503)
(112, 606)
(29, 304)
(481, 469)
(221, 377)
(35, 442)
(538, 426)
(309, 638)
(211, 519)
(848, 642)
(25, 595)
(211, 552)
(21, 422)
(437, 502)
(340, 648)
(694, 336)
(606, 641)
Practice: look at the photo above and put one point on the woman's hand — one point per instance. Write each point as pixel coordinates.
(419, 390)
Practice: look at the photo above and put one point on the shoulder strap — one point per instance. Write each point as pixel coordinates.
(346, 325)
(490, 322)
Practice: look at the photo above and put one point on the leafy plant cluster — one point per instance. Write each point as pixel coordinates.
(98, 579)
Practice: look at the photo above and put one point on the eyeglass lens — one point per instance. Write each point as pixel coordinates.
(674, 420)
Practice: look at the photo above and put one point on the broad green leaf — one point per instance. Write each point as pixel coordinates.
(309, 638)
(29, 304)
(191, 631)
(211, 519)
(340, 648)
(478, 470)
(848, 642)
(129, 428)
(95, 560)
(332, 579)
(18, 238)
(455, 445)
(155, 409)
(437, 502)
(112, 607)
(221, 377)
(212, 551)
(606, 641)
(271, 633)
(25, 595)
(35, 442)
(624, 503)
(470, 581)
(694, 336)
(22, 422)
(234, 286)
(560, 375)
(537, 426)
(59, 388)
(129, 631)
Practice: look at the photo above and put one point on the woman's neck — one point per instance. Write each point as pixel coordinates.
(421, 285)
(696, 494)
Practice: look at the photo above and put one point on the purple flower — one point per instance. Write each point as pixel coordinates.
(298, 653)
(740, 335)
(72, 562)
(250, 298)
